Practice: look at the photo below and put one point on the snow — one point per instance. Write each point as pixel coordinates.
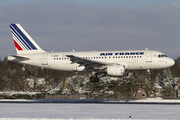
(10, 93)
(150, 100)
(61, 111)
(39, 81)
(147, 100)
(91, 111)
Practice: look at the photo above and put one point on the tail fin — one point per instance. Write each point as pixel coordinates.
(23, 42)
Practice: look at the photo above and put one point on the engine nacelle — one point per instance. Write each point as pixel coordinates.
(118, 70)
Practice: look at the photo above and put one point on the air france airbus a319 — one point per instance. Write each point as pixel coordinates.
(112, 63)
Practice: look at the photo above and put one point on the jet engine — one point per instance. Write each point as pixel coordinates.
(118, 70)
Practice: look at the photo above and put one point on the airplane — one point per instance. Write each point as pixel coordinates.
(111, 63)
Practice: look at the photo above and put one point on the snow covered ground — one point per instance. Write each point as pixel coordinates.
(55, 111)
(147, 100)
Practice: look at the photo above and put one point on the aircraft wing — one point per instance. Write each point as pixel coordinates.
(88, 63)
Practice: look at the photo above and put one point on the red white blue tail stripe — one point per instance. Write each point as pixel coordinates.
(21, 39)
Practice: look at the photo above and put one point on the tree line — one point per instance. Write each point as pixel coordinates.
(13, 76)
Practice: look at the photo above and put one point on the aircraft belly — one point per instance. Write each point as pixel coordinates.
(157, 65)
(132, 66)
(63, 66)
(149, 65)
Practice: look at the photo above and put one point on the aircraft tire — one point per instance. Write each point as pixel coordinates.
(94, 79)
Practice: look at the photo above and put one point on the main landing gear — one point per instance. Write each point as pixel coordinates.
(94, 78)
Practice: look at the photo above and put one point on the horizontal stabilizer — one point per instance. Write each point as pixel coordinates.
(16, 57)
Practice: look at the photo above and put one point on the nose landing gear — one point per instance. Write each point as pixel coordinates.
(149, 74)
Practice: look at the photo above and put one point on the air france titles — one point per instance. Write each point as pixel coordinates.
(125, 53)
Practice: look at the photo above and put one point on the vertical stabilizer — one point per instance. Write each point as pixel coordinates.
(24, 44)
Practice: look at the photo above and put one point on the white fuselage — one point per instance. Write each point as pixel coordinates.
(132, 60)
(113, 63)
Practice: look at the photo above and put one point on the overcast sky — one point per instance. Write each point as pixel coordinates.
(85, 25)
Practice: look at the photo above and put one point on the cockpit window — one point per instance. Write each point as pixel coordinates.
(162, 55)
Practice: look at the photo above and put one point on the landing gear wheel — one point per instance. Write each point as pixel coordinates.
(94, 79)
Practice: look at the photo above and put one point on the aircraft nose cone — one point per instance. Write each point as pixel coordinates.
(171, 62)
